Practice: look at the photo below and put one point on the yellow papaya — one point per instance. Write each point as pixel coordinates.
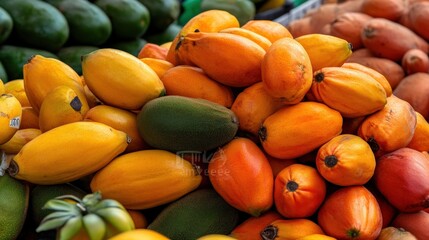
(351, 92)
(10, 116)
(43, 74)
(67, 153)
(149, 178)
(16, 88)
(138, 234)
(19, 139)
(158, 65)
(325, 50)
(230, 59)
(60, 106)
(120, 79)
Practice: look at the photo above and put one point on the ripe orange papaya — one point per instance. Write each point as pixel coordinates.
(242, 175)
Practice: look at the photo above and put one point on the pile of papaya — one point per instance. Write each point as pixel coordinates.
(246, 131)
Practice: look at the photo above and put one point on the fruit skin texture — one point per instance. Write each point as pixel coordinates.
(348, 26)
(360, 93)
(393, 233)
(151, 178)
(271, 30)
(16, 88)
(120, 79)
(316, 237)
(60, 106)
(287, 71)
(390, 9)
(138, 234)
(19, 139)
(250, 229)
(415, 223)
(14, 205)
(252, 106)
(121, 120)
(402, 176)
(242, 175)
(299, 190)
(377, 36)
(290, 229)
(420, 140)
(373, 73)
(284, 134)
(195, 215)
(10, 116)
(192, 82)
(228, 67)
(208, 21)
(325, 50)
(390, 128)
(351, 213)
(54, 73)
(346, 160)
(92, 144)
(177, 123)
(256, 37)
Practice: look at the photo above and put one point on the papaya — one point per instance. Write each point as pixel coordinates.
(6, 25)
(321, 48)
(55, 73)
(119, 119)
(238, 167)
(192, 82)
(147, 176)
(137, 234)
(390, 128)
(360, 94)
(252, 106)
(29, 119)
(287, 70)
(178, 123)
(284, 133)
(290, 229)
(125, 81)
(10, 116)
(152, 50)
(60, 106)
(420, 140)
(228, 67)
(132, 46)
(251, 228)
(256, 37)
(16, 88)
(158, 65)
(163, 13)
(19, 139)
(45, 27)
(271, 30)
(243, 10)
(14, 57)
(134, 25)
(197, 214)
(99, 146)
(208, 21)
(88, 24)
(373, 73)
(165, 36)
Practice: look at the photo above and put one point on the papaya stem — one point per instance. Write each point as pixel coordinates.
(262, 133)
(76, 104)
(353, 233)
(292, 186)
(269, 232)
(373, 144)
(319, 77)
(331, 161)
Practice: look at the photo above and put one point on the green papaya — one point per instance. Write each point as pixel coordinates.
(162, 13)
(89, 25)
(37, 24)
(130, 19)
(3, 74)
(198, 213)
(130, 46)
(6, 25)
(72, 56)
(13, 59)
(166, 36)
(177, 123)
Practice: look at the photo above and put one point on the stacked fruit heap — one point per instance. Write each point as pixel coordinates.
(229, 129)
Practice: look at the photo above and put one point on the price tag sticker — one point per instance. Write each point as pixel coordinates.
(15, 122)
